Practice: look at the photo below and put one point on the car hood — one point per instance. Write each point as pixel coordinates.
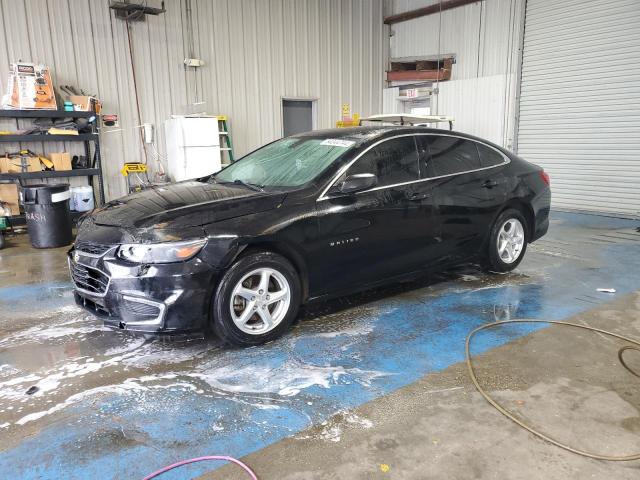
(184, 204)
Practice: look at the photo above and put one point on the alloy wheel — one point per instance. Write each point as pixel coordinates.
(260, 301)
(510, 240)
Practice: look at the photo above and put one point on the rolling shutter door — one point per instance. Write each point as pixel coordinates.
(580, 101)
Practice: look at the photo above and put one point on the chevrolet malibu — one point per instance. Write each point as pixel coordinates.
(307, 217)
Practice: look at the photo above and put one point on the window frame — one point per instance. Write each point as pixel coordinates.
(344, 168)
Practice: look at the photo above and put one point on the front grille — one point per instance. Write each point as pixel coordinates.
(89, 279)
(141, 309)
(92, 248)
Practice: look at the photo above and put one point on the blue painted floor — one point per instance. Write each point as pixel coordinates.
(114, 406)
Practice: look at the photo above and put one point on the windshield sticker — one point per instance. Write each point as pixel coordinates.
(334, 142)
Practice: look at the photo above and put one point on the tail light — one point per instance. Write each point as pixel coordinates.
(545, 177)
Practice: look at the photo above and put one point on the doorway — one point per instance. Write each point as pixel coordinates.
(298, 115)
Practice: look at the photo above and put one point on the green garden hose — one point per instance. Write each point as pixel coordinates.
(537, 433)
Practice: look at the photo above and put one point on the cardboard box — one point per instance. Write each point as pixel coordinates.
(82, 103)
(9, 194)
(29, 88)
(19, 164)
(61, 161)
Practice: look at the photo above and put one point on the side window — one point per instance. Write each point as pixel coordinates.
(489, 157)
(393, 161)
(449, 155)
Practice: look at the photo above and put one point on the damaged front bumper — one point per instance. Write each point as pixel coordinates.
(157, 298)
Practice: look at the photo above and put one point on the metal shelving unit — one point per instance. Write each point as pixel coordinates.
(81, 172)
(44, 114)
(86, 138)
(83, 137)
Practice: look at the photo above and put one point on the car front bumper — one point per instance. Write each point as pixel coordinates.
(159, 298)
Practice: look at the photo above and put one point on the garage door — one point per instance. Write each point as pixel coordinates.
(580, 101)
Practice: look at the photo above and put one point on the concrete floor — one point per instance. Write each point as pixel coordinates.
(371, 386)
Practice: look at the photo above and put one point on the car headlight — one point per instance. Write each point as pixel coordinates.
(160, 252)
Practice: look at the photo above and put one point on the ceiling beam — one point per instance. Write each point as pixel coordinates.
(424, 11)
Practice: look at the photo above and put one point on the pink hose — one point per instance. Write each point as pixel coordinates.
(201, 459)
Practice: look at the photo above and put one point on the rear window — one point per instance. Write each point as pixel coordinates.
(489, 157)
(450, 155)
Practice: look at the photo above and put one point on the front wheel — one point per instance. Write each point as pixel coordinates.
(257, 300)
(508, 241)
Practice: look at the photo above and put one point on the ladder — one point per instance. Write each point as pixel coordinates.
(225, 139)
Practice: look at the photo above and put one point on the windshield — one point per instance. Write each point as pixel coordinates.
(289, 162)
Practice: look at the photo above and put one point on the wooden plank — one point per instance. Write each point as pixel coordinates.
(430, 10)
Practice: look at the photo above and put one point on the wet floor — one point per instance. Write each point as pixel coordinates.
(80, 401)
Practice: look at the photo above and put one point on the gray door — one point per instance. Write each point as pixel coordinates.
(580, 101)
(297, 116)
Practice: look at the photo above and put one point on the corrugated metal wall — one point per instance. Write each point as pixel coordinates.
(484, 37)
(580, 102)
(256, 52)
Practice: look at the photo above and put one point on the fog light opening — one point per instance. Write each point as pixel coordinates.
(122, 325)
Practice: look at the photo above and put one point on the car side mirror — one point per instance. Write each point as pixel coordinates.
(358, 182)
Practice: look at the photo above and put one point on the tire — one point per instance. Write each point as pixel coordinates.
(505, 257)
(242, 307)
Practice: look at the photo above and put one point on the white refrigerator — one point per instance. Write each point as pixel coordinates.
(193, 147)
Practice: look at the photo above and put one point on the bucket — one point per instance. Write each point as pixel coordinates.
(48, 219)
(82, 199)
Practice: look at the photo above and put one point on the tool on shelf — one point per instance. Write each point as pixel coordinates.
(24, 161)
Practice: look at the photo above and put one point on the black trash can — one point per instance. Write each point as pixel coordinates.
(48, 218)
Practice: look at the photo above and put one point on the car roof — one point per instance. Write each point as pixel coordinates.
(361, 135)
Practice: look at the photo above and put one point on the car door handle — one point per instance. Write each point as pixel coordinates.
(490, 184)
(415, 197)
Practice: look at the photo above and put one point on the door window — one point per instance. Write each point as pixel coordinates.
(489, 157)
(393, 161)
(450, 155)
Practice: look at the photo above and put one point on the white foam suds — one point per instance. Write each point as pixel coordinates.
(286, 379)
(50, 380)
(42, 333)
(469, 278)
(332, 429)
(6, 370)
(130, 385)
(364, 329)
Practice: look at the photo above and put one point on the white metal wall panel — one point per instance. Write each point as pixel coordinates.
(580, 101)
(485, 37)
(390, 103)
(255, 53)
(476, 105)
(460, 35)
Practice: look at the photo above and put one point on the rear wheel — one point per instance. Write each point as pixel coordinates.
(507, 242)
(257, 300)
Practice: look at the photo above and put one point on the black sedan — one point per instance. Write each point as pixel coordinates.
(307, 217)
